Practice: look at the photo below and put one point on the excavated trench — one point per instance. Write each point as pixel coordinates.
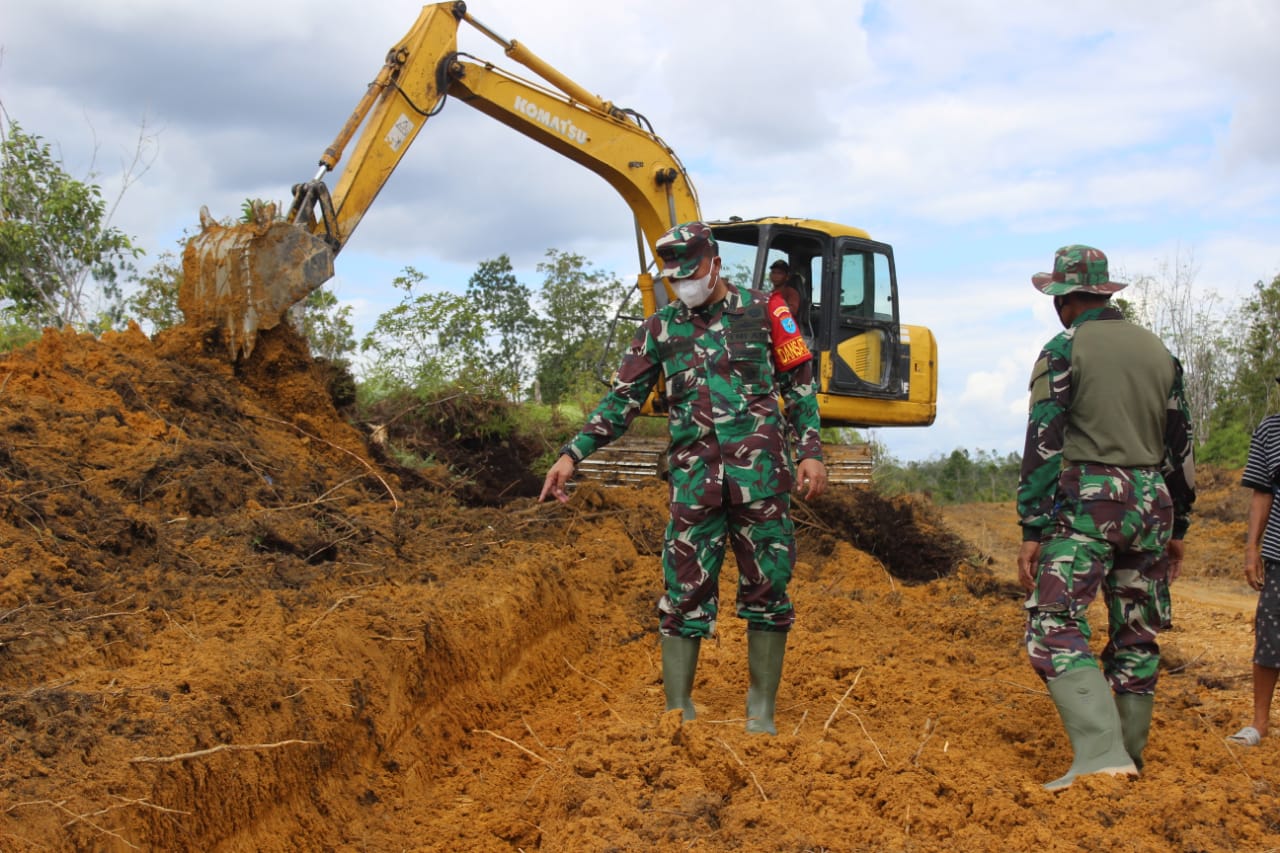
(228, 621)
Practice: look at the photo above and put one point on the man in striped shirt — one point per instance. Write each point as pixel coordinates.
(1262, 571)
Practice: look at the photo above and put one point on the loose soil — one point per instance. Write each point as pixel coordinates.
(231, 619)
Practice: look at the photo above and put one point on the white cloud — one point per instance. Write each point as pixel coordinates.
(985, 388)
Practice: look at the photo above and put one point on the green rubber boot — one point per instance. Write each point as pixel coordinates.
(1135, 722)
(765, 650)
(1092, 722)
(679, 662)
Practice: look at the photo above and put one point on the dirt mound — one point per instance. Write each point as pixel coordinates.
(229, 622)
(471, 442)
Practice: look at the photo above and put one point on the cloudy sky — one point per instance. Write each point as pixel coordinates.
(975, 136)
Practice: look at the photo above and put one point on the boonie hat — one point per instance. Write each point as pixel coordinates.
(681, 249)
(1077, 268)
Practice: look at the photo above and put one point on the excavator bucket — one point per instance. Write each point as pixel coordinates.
(242, 279)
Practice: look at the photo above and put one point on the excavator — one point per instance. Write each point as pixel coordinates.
(241, 279)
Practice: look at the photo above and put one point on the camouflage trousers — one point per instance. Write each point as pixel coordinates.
(1110, 530)
(764, 544)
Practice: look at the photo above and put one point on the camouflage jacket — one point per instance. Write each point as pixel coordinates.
(1104, 431)
(728, 432)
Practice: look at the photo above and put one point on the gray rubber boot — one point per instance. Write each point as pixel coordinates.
(1135, 722)
(765, 650)
(679, 662)
(1092, 722)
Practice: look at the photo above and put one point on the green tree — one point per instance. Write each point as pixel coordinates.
(15, 334)
(504, 308)
(155, 301)
(1258, 365)
(961, 476)
(326, 324)
(409, 348)
(578, 305)
(737, 274)
(1251, 391)
(56, 242)
(1128, 310)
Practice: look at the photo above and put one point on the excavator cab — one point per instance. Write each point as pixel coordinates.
(872, 371)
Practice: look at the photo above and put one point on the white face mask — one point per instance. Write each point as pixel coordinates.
(693, 292)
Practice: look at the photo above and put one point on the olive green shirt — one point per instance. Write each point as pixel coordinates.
(1105, 391)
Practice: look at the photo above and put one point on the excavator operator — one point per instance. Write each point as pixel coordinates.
(779, 270)
(727, 354)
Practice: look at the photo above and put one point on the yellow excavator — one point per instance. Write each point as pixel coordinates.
(242, 279)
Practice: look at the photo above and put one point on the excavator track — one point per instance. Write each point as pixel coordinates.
(635, 459)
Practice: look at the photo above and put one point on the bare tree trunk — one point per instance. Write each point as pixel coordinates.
(1169, 305)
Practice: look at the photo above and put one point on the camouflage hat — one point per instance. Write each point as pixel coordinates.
(1077, 269)
(682, 248)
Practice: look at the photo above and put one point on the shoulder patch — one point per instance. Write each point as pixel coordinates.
(789, 348)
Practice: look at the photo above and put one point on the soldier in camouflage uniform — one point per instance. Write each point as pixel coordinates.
(1106, 490)
(726, 355)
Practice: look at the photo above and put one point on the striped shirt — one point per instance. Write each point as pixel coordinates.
(1262, 472)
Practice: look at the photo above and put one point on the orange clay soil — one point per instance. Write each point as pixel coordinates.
(228, 622)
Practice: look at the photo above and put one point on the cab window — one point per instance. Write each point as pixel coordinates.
(865, 285)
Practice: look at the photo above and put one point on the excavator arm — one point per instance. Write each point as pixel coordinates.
(243, 278)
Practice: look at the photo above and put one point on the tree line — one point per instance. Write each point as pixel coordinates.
(62, 263)
(961, 476)
(499, 337)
